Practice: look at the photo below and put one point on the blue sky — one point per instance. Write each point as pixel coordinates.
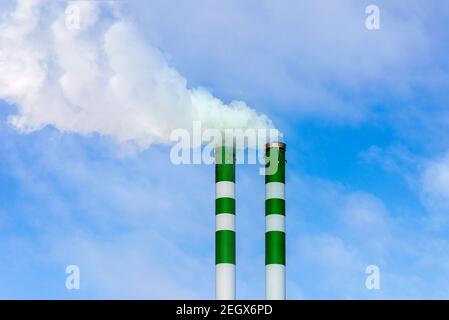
(364, 114)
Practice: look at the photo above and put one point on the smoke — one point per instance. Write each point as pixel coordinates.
(100, 78)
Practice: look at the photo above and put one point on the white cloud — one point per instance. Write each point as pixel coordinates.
(339, 232)
(435, 180)
(426, 176)
(435, 190)
(139, 228)
(140, 265)
(102, 78)
(303, 57)
(328, 251)
(112, 218)
(135, 226)
(366, 221)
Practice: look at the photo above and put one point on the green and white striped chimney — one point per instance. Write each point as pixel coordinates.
(275, 221)
(225, 223)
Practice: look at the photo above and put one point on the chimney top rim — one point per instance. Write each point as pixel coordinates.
(276, 144)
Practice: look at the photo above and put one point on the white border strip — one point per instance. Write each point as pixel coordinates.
(225, 281)
(275, 190)
(224, 189)
(275, 222)
(225, 221)
(275, 282)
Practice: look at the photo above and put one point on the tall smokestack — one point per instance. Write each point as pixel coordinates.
(225, 223)
(275, 221)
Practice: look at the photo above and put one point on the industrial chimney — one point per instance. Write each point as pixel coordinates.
(225, 223)
(275, 221)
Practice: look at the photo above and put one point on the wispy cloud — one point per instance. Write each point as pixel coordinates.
(140, 227)
(316, 61)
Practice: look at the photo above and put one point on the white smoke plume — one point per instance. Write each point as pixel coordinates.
(100, 78)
